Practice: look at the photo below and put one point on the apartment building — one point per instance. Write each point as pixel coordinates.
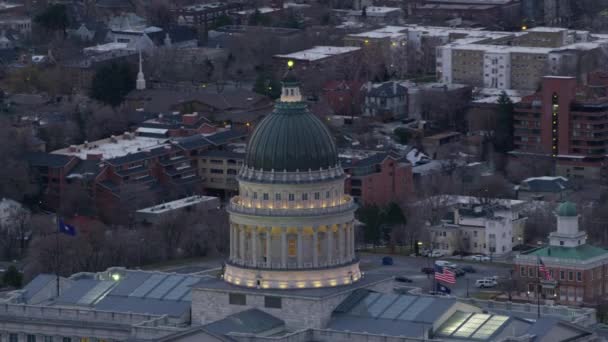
(377, 178)
(519, 61)
(566, 122)
(478, 225)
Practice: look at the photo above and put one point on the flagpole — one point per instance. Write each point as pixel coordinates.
(538, 289)
(57, 254)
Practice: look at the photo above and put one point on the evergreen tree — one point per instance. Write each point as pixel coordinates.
(112, 82)
(12, 277)
(53, 18)
(267, 85)
(373, 219)
(503, 139)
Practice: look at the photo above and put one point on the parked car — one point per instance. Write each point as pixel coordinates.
(428, 270)
(485, 283)
(435, 254)
(459, 272)
(480, 257)
(468, 269)
(403, 279)
(444, 263)
(387, 261)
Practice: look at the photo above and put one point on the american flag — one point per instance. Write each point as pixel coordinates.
(543, 271)
(445, 274)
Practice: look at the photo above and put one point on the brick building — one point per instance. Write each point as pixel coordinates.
(565, 122)
(129, 171)
(378, 179)
(578, 270)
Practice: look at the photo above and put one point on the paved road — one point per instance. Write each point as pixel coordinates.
(410, 267)
(372, 263)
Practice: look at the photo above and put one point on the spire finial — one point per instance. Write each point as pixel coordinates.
(141, 81)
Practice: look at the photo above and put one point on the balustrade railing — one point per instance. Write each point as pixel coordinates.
(236, 206)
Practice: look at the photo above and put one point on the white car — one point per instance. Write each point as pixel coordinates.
(480, 257)
(444, 263)
(485, 283)
(435, 254)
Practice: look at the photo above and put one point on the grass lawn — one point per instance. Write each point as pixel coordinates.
(485, 295)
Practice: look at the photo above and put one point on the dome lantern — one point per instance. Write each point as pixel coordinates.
(290, 91)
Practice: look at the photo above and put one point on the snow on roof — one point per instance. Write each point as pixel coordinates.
(262, 10)
(319, 52)
(385, 32)
(152, 130)
(177, 204)
(112, 147)
(107, 47)
(547, 29)
(545, 178)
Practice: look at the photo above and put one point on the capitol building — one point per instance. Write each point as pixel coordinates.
(291, 226)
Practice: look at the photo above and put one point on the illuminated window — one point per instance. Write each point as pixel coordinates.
(291, 247)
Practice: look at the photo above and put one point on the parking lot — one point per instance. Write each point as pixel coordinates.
(410, 267)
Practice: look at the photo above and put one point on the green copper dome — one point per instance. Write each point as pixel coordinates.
(291, 139)
(566, 209)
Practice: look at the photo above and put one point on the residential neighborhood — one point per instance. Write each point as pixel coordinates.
(304, 170)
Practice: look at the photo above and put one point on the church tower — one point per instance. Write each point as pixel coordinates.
(140, 84)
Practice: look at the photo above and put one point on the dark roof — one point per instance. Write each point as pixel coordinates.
(252, 321)
(375, 159)
(182, 34)
(86, 168)
(217, 139)
(47, 159)
(225, 137)
(388, 90)
(545, 184)
(223, 154)
(163, 100)
(114, 4)
(291, 139)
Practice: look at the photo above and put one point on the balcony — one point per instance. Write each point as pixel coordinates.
(236, 206)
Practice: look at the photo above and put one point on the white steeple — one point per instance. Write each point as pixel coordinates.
(141, 81)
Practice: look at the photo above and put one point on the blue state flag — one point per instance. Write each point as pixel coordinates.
(443, 288)
(66, 228)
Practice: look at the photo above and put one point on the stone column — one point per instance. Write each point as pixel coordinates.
(315, 250)
(351, 246)
(299, 247)
(268, 247)
(283, 247)
(330, 244)
(346, 244)
(231, 241)
(254, 246)
(340, 257)
(242, 243)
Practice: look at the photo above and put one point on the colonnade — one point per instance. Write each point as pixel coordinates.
(292, 247)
